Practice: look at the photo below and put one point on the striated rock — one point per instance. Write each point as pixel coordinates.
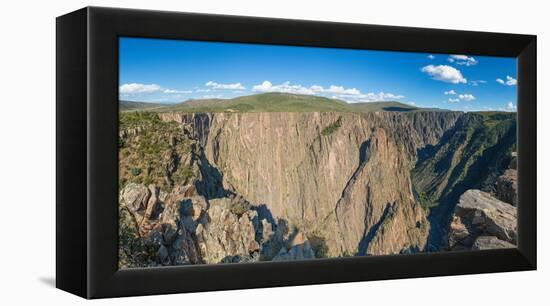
(224, 235)
(507, 187)
(283, 160)
(490, 242)
(152, 211)
(480, 214)
(243, 187)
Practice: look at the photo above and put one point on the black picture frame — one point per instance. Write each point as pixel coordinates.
(87, 162)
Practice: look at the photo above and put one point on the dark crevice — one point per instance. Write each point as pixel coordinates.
(369, 235)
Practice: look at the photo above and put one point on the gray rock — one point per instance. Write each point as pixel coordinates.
(491, 242)
(183, 251)
(224, 234)
(135, 197)
(164, 256)
(507, 187)
(480, 214)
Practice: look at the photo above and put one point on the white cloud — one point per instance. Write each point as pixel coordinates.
(444, 73)
(450, 92)
(285, 87)
(510, 81)
(134, 88)
(453, 100)
(264, 87)
(477, 82)
(129, 89)
(381, 96)
(233, 86)
(336, 92)
(466, 97)
(212, 97)
(175, 91)
(460, 59)
(431, 56)
(511, 107)
(368, 97)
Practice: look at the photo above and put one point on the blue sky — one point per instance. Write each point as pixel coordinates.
(172, 71)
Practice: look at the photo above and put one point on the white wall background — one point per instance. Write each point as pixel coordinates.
(27, 152)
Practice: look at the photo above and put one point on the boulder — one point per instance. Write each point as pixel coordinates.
(135, 197)
(491, 242)
(478, 214)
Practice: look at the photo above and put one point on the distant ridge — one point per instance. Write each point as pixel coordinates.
(274, 102)
(132, 105)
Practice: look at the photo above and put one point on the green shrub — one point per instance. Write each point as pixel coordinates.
(134, 251)
(333, 127)
(423, 200)
(240, 207)
(318, 244)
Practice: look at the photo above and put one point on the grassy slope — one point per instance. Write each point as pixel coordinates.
(124, 106)
(278, 102)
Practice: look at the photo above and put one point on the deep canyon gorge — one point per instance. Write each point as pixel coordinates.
(205, 187)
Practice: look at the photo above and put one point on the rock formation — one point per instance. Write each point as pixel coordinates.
(344, 180)
(481, 221)
(245, 186)
(507, 187)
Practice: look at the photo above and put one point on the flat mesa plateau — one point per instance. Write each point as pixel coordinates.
(275, 177)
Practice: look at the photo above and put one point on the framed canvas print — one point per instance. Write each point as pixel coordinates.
(205, 152)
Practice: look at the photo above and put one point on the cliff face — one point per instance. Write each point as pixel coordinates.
(470, 155)
(243, 187)
(343, 178)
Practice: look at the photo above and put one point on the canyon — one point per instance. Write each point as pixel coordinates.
(258, 185)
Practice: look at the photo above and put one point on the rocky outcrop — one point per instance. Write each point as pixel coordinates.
(225, 236)
(186, 228)
(478, 215)
(507, 187)
(490, 242)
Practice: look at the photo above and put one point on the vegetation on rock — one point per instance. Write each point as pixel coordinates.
(152, 151)
(333, 127)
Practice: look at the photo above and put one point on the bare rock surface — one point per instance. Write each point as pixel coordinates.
(224, 235)
(299, 248)
(490, 242)
(278, 186)
(135, 197)
(478, 214)
(507, 187)
(337, 184)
